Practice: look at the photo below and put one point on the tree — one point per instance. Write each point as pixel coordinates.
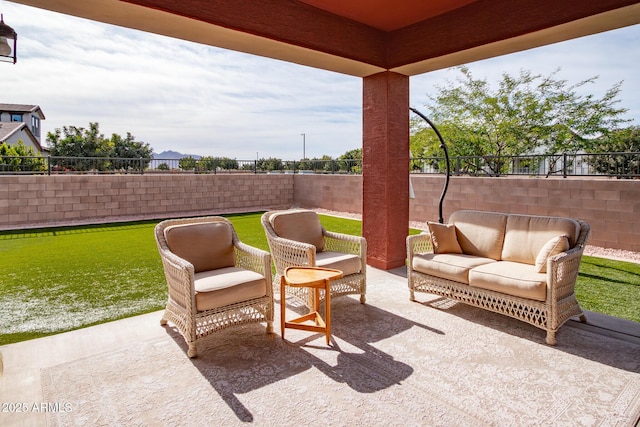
(206, 164)
(528, 113)
(187, 163)
(226, 163)
(270, 164)
(84, 143)
(351, 161)
(624, 145)
(21, 158)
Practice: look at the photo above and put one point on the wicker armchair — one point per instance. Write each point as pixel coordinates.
(296, 238)
(215, 281)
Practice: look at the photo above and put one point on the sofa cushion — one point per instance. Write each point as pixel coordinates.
(554, 246)
(347, 263)
(448, 266)
(206, 245)
(511, 278)
(225, 286)
(526, 235)
(299, 225)
(480, 233)
(443, 238)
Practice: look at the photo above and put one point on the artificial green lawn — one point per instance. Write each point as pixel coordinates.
(60, 279)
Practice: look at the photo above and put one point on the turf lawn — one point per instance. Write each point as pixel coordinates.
(59, 279)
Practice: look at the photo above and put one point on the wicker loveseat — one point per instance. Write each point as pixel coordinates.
(523, 266)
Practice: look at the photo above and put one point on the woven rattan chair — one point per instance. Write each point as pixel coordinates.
(296, 238)
(215, 281)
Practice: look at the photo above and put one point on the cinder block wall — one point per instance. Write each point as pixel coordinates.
(341, 193)
(49, 200)
(610, 206)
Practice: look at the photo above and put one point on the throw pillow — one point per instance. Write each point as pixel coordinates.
(553, 247)
(444, 238)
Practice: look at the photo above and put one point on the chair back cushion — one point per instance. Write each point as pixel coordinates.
(206, 245)
(526, 235)
(480, 233)
(299, 225)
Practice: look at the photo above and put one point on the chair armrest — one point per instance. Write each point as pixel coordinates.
(179, 274)
(254, 259)
(345, 243)
(562, 273)
(287, 253)
(418, 244)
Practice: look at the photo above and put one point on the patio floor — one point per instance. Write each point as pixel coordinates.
(24, 362)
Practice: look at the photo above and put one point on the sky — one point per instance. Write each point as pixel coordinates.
(196, 99)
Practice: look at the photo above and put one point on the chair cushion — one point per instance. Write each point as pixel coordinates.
(511, 278)
(480, 233)
(206, 245)
(224, 286)
(443, 238)
(554, 246)
(526, 235)
(299, 225)
(347, 263)
(448, 266)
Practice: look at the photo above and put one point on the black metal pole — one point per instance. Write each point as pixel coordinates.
(446, 155)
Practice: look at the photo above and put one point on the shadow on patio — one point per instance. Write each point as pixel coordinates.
(391, 362)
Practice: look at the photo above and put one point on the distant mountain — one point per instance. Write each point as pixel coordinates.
(174, 155)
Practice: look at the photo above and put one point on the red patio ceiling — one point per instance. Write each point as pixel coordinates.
(363, 37)
(388, 15)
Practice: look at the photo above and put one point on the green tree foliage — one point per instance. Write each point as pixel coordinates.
(226, 163)
(187, 163)
(625, 144)
(351, 161)
(528, 113)
(207, 164)
(80, 142)
(20, 157)
(270, 164)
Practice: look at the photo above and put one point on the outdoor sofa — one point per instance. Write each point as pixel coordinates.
(523, 266)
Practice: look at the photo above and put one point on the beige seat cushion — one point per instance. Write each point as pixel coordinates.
(526, 235)
(299, 225)
(443, 238)
(206, 245)
(511, 278)
(224, 286)
(448, 266)
(480, 233)
(347, 263)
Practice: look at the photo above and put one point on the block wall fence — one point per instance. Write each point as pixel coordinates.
(610, 206)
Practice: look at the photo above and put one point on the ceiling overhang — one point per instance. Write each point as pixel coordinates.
(338, 36)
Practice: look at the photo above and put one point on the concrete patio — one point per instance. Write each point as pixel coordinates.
(24, 362)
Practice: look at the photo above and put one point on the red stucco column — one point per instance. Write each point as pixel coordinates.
(385, 168)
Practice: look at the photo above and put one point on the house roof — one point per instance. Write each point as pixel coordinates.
(362, 38)
(21, 108)
(8, 129)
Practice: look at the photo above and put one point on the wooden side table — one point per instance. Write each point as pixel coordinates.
(315, 278)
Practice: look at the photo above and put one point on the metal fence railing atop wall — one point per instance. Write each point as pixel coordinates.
(619, 165)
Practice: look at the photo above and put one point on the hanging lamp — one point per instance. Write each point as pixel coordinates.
(8, 42)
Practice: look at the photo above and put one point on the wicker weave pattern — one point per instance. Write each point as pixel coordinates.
(195, 325)
(287, 253)
(560, 305)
